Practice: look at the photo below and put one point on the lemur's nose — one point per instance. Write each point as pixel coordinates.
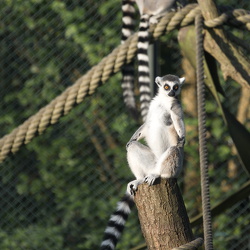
(171, 93)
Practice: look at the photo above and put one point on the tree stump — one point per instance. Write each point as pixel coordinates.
(162, 214)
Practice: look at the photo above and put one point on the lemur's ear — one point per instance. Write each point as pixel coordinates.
(158, 81)
(182, 80)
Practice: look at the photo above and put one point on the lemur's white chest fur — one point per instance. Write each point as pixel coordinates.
(160, 133)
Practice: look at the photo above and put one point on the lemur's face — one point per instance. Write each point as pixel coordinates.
(172, 89)
(169, 85)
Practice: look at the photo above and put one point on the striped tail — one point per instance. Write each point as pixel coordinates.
(143, 65)
(117, 222)
(127, 84)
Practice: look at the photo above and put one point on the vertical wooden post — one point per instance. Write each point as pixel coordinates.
(153, 65)
(162, 214)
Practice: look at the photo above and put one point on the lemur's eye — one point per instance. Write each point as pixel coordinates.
(166, 87)
(176, 87)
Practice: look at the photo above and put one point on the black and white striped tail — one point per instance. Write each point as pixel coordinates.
(127, 84)
(117, 222)
(143, 65)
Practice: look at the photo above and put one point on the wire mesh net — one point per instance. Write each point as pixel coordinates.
(58, 191)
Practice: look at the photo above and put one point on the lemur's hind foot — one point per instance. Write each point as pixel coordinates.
(133, 186)
(151, 179)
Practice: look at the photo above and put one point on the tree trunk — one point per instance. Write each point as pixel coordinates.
(162, 214)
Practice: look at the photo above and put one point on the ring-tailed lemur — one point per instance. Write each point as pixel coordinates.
(164, 133)
(149, 12)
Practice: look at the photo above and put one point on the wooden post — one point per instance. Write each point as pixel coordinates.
(162, 214)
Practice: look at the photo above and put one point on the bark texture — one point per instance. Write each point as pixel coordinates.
(162, 214)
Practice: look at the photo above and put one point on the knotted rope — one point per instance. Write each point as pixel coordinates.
(87, 84)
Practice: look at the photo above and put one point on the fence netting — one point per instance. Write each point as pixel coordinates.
(58, 191)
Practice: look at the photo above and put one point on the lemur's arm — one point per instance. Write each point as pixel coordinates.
(139, 134)
(177, 118)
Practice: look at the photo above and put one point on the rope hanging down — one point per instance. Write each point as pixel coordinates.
(207, 225)
(100, 73)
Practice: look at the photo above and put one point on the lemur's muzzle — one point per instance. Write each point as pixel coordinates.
(171, 93)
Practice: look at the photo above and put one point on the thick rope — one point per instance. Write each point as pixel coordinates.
(207, 224)
(100, 73)
(238, 18)
(193, 245)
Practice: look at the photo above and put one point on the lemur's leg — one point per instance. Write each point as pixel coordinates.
(169, 165)
(140, 159)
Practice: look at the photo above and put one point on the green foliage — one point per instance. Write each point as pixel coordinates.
(36, 236)
(52, 186)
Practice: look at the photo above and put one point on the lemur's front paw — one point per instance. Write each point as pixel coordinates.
(129, 143)
(133, 186)
(151, 179)
(181, 142)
